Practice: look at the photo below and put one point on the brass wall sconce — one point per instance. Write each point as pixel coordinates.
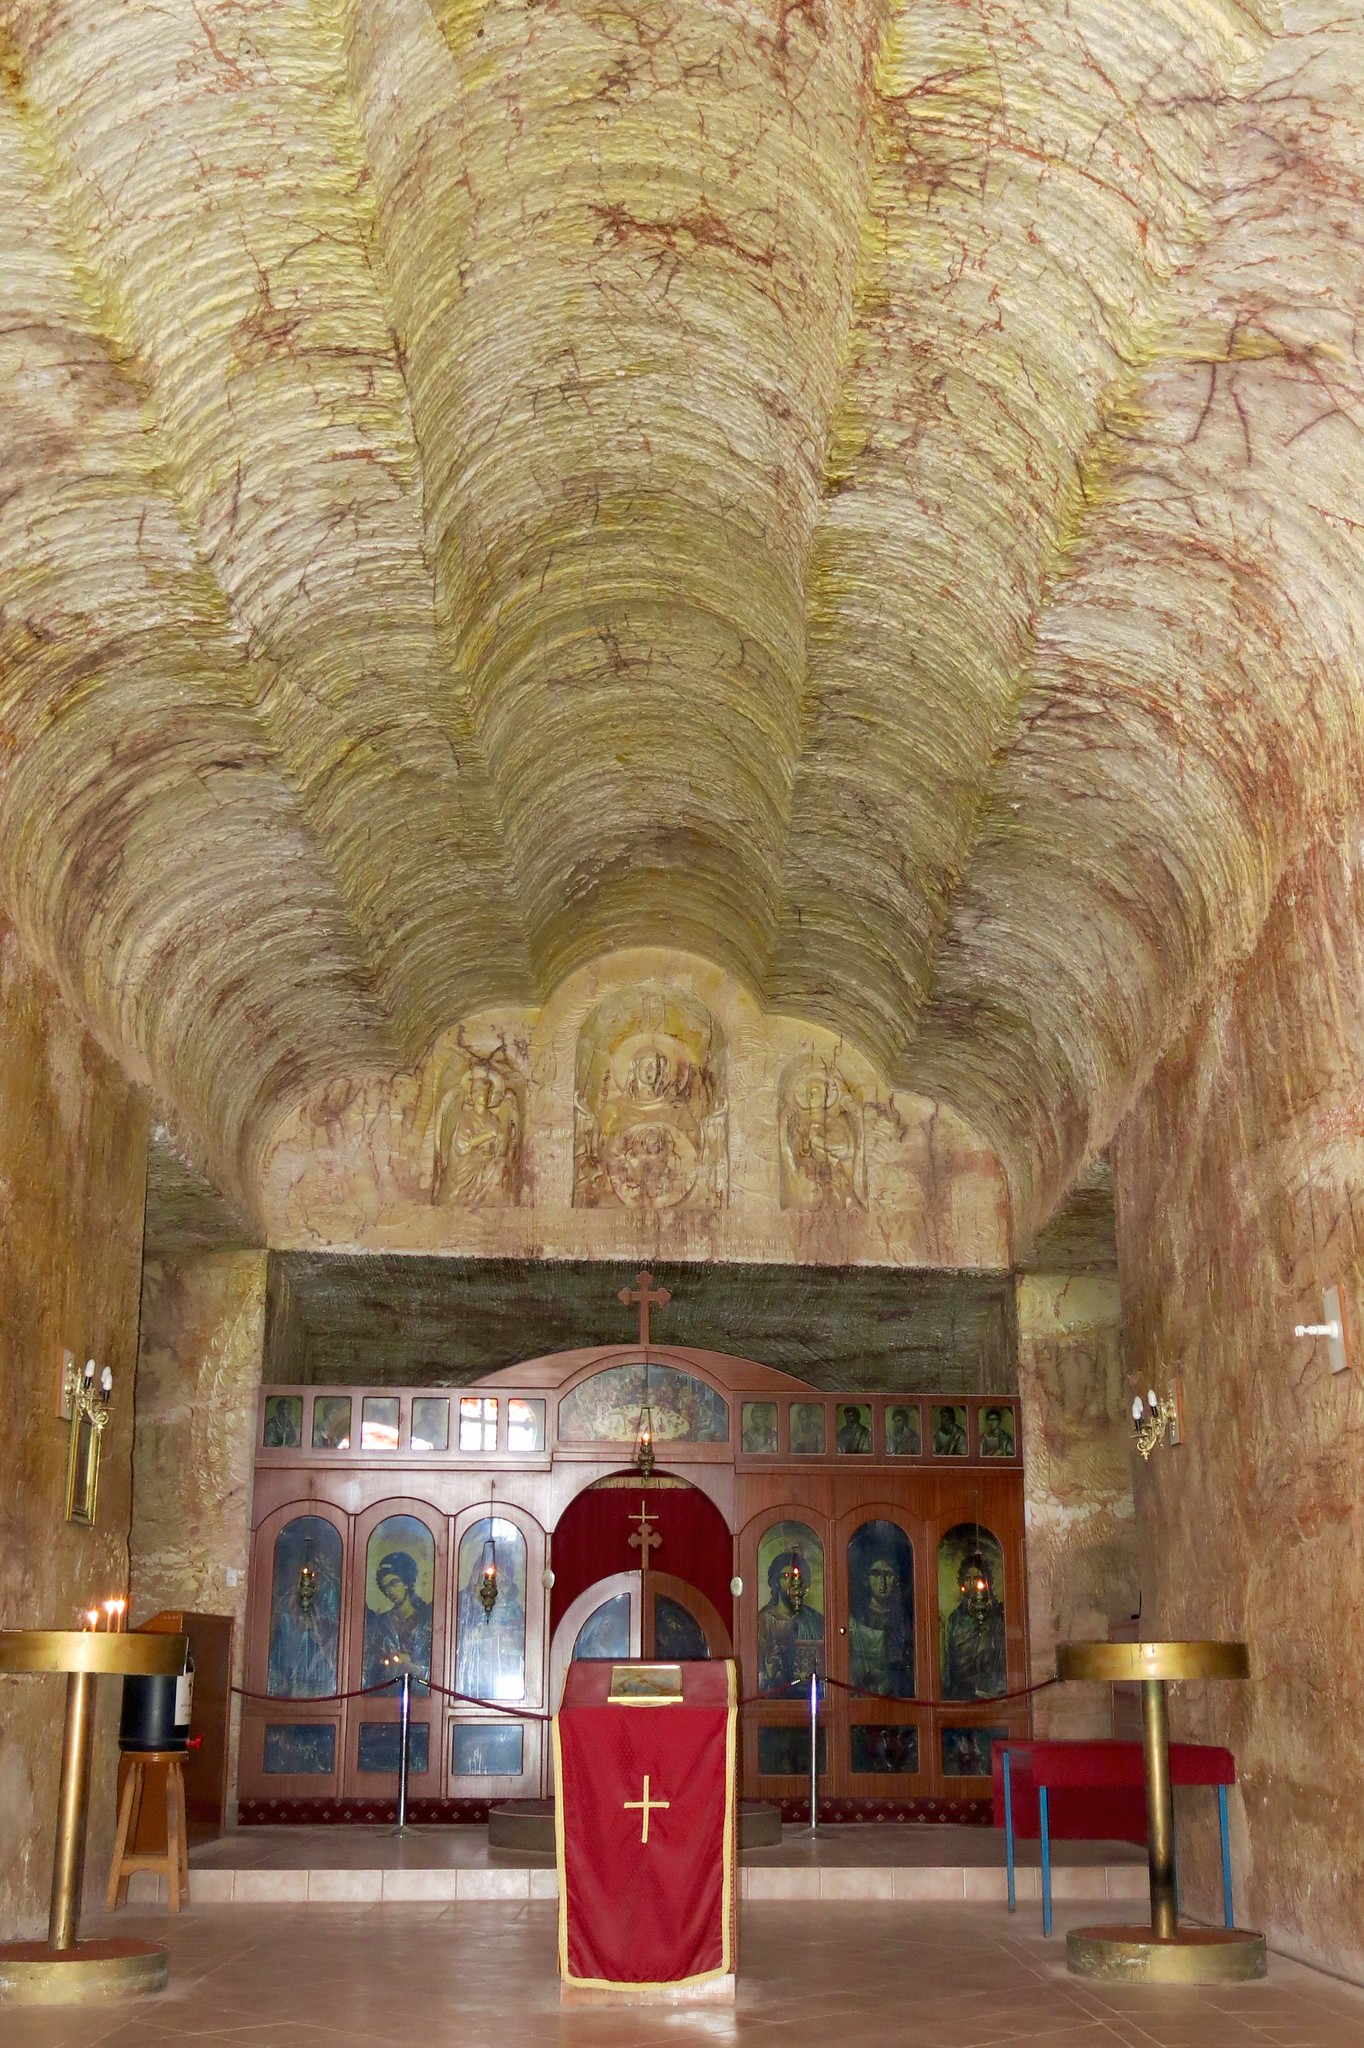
(1158, 1419)
(88, 1401)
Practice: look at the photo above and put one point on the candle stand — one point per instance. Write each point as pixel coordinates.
(64, 1970)
(1165, 1952)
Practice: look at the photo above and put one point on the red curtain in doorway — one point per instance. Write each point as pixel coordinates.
(593, 1540)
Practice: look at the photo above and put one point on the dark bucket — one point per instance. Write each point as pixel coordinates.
(156, 1713)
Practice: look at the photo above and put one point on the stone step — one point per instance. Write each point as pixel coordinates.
(910, 1883)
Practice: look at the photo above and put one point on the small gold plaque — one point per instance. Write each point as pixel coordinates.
(646, 1685)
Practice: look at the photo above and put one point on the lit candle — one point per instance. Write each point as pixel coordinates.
(109, 1607)
(120, 1609)
(91, 1618)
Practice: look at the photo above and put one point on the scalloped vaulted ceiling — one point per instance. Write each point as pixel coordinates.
(868, 492)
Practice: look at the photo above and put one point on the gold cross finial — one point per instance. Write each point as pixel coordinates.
(644, 1294)
(644, 1539)
(645, 1806)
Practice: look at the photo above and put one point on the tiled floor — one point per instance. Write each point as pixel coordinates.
(256, 1866)
(865, 1976)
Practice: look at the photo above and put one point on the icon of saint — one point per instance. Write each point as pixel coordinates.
(854, 1432)
(790, 1629)
(997, 1433)
(949, 1435)
(399, 1640)
(477, 1143)
(821, 1144)
(973, 1660)
(902, 1433)
(760, 1427)
(807, 1427)
(283, 1424)
(331, 1422)
(881, 1626)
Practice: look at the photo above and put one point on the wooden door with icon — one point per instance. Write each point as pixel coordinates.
(906, 1601)
(398, 1629)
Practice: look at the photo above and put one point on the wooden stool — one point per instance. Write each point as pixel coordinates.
(175, 1862)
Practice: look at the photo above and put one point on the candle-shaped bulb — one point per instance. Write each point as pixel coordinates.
(89, 1370)
(106, 1382)
(1152, 1399)
(1136, 1408)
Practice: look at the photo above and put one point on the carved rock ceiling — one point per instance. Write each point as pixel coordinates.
(867, 492)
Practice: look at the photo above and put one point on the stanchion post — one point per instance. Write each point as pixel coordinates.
(404, 1733)
(814, 1751)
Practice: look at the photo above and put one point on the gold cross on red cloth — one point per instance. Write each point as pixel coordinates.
(644, 1539)
(645, 1806)
(643, 1293)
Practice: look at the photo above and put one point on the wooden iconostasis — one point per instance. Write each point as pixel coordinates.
(874, 1540)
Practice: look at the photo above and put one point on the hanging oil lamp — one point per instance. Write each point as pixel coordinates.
(644, 1438)
(307, 1580)
(487, 1572)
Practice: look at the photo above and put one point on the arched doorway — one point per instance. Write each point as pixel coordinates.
(680, 1623)
(641, 1568)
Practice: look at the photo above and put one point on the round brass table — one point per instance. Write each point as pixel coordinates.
(1164, 1952)
(63, 1970)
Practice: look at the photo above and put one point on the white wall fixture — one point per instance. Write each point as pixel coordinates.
(1334, 1328)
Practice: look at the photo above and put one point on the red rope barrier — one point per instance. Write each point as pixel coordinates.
(393, 1687)
(992, 1699)
(314, 1699)
(492, 1706)
(752, 1699)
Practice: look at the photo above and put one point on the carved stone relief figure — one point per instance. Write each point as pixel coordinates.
(476, 1127)
(821, 1122)
(651, 1125)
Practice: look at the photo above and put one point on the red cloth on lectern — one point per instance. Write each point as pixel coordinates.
(661, 1911)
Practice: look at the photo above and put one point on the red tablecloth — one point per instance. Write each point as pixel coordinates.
(646, 1893)
(1096, 1789)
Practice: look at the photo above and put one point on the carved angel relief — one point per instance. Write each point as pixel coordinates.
(476, 1127)
(651, 1119)
(822, 1130)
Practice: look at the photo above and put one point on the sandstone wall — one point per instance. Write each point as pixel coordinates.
(198, 1372)
(1077, 1483)
(1239, 1180)
(73, 1138)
